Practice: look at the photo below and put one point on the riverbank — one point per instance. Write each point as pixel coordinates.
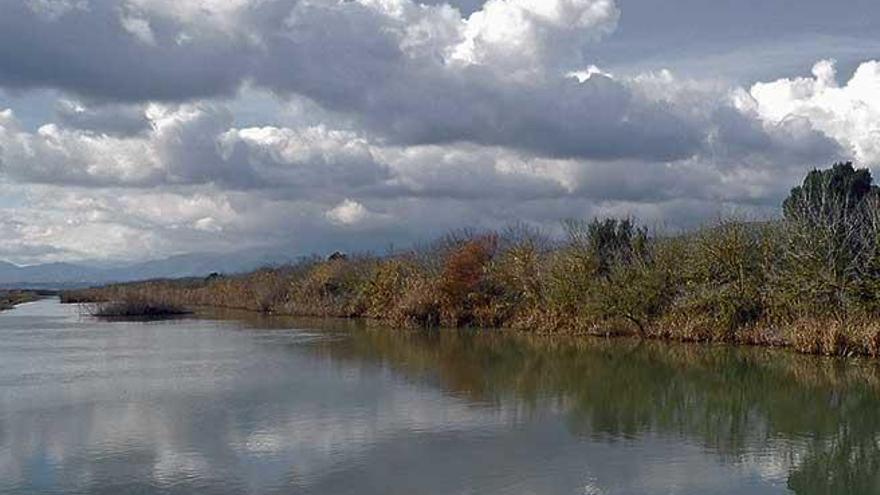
(809, 281)
(11, 298)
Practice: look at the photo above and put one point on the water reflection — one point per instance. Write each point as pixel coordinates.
(249, 405)
(819, 419)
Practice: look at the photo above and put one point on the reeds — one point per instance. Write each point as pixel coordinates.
(136, 307)
(810, 281)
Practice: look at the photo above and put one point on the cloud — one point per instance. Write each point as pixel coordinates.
(60, 155)
(308, 158)
(849, 114)
(521, 36)
(115, 120)
(195, 181)
(431, 92)
(182, 57)
(52, 10)
(140, 29)
(348, 212)
(413, 74)
(191, 125)
(184, 144)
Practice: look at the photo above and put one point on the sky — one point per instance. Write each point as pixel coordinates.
(140, 129)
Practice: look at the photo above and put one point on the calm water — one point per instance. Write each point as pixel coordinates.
(275, 406)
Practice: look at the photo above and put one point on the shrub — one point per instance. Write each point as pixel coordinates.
(463, 284)
(270, 290)
(637, 289)
(136, 307)
(332, 288)
(386, 286)
(419, 304)
(519, 275)
(724, 277)
(608, 242)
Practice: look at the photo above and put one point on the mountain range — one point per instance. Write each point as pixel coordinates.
(67, 275)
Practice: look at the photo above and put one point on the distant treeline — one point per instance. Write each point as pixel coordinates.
(810, 280)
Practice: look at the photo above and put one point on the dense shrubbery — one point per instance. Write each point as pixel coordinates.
(810, 280)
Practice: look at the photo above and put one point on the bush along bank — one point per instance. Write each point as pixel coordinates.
(810, 280)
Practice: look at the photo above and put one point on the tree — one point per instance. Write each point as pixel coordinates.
(829, 240)
(826, 195)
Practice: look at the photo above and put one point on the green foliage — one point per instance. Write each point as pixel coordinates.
(829, 251)
(607, 275)
(637, 291)
(828, 194)
(607, 242)
(724, 276)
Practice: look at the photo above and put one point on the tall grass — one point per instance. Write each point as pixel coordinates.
(810, 280)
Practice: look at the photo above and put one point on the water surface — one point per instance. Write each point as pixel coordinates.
(261, 405)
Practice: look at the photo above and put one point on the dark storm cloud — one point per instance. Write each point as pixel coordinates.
(345, 56)
(83, 47)
(180, 125)
(422, 101)
(118, 120)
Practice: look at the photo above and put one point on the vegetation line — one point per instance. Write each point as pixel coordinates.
(11, 298)
(810, 280)
(135, 306)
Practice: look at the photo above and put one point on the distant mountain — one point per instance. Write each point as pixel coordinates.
(42, 275)
(64, 275)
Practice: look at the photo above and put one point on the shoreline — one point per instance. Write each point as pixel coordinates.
(770, 337)
(12, 298)
(809, 280)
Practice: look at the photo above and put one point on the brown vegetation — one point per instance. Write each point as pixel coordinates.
(810, 281)
(136, 307)
(9, 299)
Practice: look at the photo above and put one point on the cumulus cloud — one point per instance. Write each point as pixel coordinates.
(184, 144)
(849, 113)
(390, 118)
(414, 74)
(348, 212)
(306, 158)
(520, 36)
(61, 155)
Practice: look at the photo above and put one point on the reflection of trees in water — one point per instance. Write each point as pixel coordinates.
(821, 415)
(848, 462)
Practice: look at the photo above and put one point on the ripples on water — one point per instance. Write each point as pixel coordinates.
(259, 405)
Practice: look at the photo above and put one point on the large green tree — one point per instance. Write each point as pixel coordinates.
(830, 194)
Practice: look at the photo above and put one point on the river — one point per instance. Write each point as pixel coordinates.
(231, 404)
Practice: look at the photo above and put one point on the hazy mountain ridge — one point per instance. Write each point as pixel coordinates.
(63, 275)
